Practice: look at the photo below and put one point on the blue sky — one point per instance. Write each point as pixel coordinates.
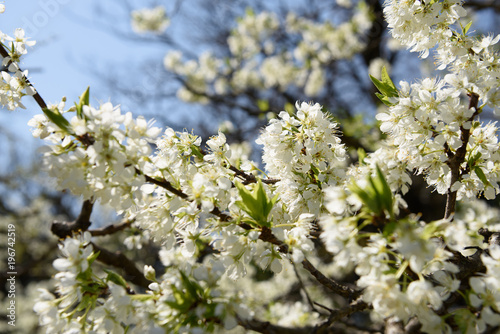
(69, 43)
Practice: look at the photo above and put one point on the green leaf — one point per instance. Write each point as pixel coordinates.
(433, 229)
(58, 119)
(248, 204)
(115, 278)
(84, 101)
(263, 105)
(386, 79)
(384, 99)
(93, 257)
(389, 228)
(367, 199)
(465, 320)
(467, 27)
(249, 12)
(191, 287)
(473, 159)
(289, 108)
(256, 203)
(385, 191)
(480, 174)
(196, 150)
(385, 86)
(181, 303)
(361, 155)
(377, 196)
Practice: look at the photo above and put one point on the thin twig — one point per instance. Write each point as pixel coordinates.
(249, 178)
(163, 184)
(329, 283)
(266, 327)
(39, 100)
(110, 229)
(303, 288)
(336, 315)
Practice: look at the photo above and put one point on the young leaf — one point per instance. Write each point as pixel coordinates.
(191, 286)
(256, 203)
(385, 86)
(248, 202)
(386, 79)
(480, 174)
(465, 320)
(59, 120)
(384, 99)
(361, 155)
(84, 101)
(377, 195)
(115, 278)
(467, 27)
(385, 191)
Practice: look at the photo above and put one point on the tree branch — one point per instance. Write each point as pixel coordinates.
(119, 260)
(332, 285)
(163, 184)
(82, 223)
(249, 178)
(303, 288)
(265, 327)
(39, 100)
(458, 158)
(336, 315)
(110, 229)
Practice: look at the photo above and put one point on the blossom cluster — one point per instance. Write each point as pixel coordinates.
(257, 61)
(170, 301)
(153, 20)
(433, 123)
(101, 157)
(305, 152)
(14, 85)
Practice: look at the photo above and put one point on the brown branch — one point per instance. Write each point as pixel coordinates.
(110, 229)
(163, 184)
(458, 158)
(303, 288)
(336, 315)
(492, 238)
(39, 100)
(329, 283)
(266, 327)
(249, 178)
(478, 5)
(119, 260)
(468, 265)
(340, 289)
(82, 223)
(222, 216)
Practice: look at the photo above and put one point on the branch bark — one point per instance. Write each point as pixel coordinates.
(456, 160)
(82, 223)
(332, 285)
(110, 229)
(265, 327)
